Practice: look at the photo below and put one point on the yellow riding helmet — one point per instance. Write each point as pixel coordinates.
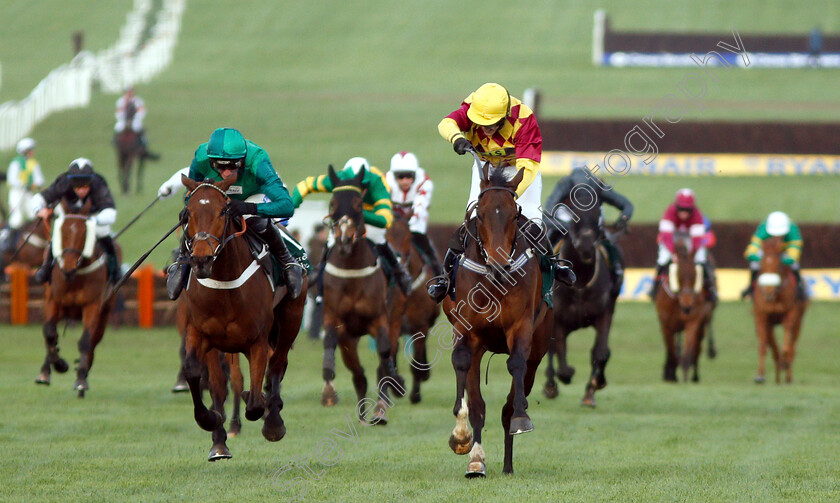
(489, 104)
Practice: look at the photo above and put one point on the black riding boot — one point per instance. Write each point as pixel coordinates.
(111, 261)
(709, 282)
(144, 147)
(748, 291)
(399, 272)
(292, 270)
(42, 275)
(178, 272)
(319, 279)
(443, 283)
(659, 270)
(559, 268)
(801, 292)
(421, 241)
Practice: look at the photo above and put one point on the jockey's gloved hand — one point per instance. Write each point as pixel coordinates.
(621, 223)
(462, 146)
(787, 259)
(237, 208)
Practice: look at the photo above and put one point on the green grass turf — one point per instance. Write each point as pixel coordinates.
(319, 83)
(724, 439)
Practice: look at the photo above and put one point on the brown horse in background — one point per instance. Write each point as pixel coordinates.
(76, 291)
(498, 307)
(30, 254)
(129, 150)
(683, 306)
(775, 303)
(355, 294)
(590, 302)
(229, 311)
(416, 313)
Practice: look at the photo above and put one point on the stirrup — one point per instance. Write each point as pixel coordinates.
(435, 283)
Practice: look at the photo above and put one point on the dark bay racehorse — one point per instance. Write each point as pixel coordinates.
(498, 307)
(75, 291)
(129, 149)
(413, 314)
(230, 307)
(590, 302)
(775, 303)
(355, 294)
(683, 306)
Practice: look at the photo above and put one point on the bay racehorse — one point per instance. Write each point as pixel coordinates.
(232, 306)
(129, 149)
(590, 302)
(682, 305)
(415, 313)
(775, 302)
(76, 290)
(29, 253)
(498, 307)
(355, 302)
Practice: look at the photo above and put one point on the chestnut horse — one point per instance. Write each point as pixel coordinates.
(76, 290)
(498, 307)
(590, 302)
(355, 296)
(416, 313)
(683, 306)
(775, 303)
(230, 307)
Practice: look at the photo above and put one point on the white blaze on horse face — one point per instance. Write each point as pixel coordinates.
(673, 279)
(204, 201)
(698, 278)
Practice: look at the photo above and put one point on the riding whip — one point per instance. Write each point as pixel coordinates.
(134, 267)
(129, 224)
(26, 240)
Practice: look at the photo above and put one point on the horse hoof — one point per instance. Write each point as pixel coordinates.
(80, 385)
(61, 366)
(219, 452)
(274, 433)
(329, 397)
(520, 425)
(254, 414)
(460, 447)
(180, 387)
(44, 379)
(588, 402)
(415, 397)
(475, 469)
(550, 391)
(760, 379)
(566, 376)
(234, 429)
(81, 393)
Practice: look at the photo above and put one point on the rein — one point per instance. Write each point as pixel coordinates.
(477, 267)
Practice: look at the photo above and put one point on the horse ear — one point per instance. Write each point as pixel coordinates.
(514, 183)
(64, 205)
(226, 183)
(485, 171)
(189, 183)
(333, 177)
(357, 180)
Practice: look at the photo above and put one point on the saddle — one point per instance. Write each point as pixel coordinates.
(270, 265)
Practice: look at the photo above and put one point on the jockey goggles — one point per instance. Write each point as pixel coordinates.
(220, 165)
(403, 174)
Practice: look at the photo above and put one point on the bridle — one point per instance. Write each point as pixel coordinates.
(474, 207)
(190, 242)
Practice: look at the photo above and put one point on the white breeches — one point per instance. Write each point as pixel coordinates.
(19, 207)
(529, 201)
(665, 256)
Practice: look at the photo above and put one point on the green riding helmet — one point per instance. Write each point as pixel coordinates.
(226, 143)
